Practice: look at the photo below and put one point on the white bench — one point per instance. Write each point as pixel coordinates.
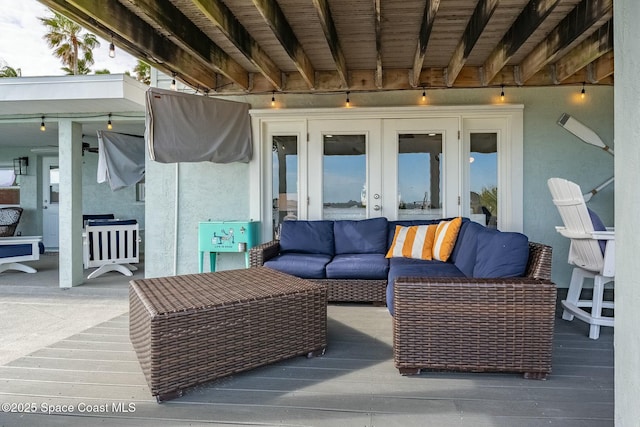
(14, 250)
(111, 245)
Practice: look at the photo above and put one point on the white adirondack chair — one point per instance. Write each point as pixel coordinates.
(586, 255)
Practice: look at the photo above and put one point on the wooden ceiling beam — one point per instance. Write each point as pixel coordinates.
(188, 38)
(596, 45)
(533, 14)
(137, 37)
(477, 23)
(583, 17)
(378, 30)
(601, 68)
(430, 11)
(331, 34)
(274, 17)
(399, 79)
(218, 13)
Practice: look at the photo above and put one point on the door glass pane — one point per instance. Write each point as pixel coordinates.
(419, 176)
(54, 184)
(344, 177)
(483, 178)
(285, 179)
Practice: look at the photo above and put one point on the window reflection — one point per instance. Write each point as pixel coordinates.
(483, 178)
(419, 176)
(285, 179)
(344, 177)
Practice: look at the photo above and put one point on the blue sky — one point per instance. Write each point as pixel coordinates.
(22, 45)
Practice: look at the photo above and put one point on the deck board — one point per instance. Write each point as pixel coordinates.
(355, 383)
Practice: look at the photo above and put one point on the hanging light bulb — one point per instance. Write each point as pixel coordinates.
(583, 93)
(348, 103)
(173, 82)
(501, 92)
(273, 99)
(112, 49)
(42, 126)
(109, 125)
(424, 94)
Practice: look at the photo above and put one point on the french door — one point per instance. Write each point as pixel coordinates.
(397, 168)
(405, 163)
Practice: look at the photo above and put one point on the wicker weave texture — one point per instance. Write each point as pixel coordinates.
(190, 329)
(499, 325)
(354, 290)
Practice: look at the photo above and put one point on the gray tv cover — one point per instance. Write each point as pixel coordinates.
(181, 127)
(120, 159)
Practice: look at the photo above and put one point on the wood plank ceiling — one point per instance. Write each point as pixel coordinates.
(307, 46)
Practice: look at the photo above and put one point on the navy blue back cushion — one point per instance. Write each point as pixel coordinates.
(310, 237)
(466, 247)
(598, 225)
(367, 236)
(501, 254)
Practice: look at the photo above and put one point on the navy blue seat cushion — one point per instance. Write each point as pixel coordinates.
(310, 237)
(102, 222)
(367, 236)
(501, 254)
(598, 225)
(408, 267)
(358, 266)
(7, 251)
(306, 266)
(466, 247)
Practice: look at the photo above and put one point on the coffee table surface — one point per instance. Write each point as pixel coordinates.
(163, 295)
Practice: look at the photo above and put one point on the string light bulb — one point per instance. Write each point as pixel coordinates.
(583, 93)
(424, 94)
(348, 102)
(173, 82)
(501, 92)
(109, 124)
(112, 49)
(273, 99)
(42, 126)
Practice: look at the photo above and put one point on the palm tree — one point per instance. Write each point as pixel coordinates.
(7, 71)
(68, 42)
(82, 68)
(143, 72)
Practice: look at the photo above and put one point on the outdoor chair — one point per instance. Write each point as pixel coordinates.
(111, 245)
(592, 253)
(9, 218)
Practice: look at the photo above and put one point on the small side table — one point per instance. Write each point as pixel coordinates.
(226, 236)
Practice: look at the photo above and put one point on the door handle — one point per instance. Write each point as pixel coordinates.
(45, 207)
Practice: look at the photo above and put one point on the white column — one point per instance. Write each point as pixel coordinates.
(627, 207)
(70, 163)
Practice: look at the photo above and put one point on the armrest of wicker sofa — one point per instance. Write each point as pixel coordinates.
(467, 324)
(263, 252)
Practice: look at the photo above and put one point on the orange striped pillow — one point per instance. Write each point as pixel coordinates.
(413, 242)
(445, 238)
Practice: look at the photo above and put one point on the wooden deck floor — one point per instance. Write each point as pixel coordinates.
(354, 384)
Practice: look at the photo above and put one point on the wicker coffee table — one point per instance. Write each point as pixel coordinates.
(195, 328)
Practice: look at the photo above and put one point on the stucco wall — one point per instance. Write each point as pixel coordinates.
(627, 131)
(220, 192)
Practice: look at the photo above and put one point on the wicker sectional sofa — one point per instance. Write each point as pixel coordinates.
(349, 256)
(489, 308)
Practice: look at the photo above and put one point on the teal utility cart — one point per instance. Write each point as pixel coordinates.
(226, 236)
